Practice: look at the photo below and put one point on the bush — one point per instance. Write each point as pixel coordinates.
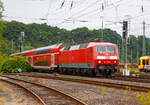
(13, 64)
(3, 58)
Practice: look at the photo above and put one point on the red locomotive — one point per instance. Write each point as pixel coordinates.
(89, 58)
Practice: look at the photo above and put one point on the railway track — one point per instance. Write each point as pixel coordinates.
(111, 84)
(134, 77)
(46, 95)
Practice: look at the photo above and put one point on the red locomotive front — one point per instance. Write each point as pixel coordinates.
(106, 59)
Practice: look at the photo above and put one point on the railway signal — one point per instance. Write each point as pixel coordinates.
(125, 36)
(125, 29)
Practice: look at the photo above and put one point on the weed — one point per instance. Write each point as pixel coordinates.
(143, 98)
(125, 93)
(104, 92)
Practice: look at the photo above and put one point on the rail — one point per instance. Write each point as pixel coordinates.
(55, 91)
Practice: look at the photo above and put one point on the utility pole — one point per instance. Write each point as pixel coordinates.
(131, 48)
(137, 51)
(12, 46)
(122, 50)
(21, 41)
(102, 29)
(144, 50)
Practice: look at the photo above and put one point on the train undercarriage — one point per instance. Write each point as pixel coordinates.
(105, 70)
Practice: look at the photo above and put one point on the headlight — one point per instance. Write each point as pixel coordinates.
(99, 61)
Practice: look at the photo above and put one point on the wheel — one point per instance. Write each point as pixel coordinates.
(60, 70)
(141, 70)
(74, 72)
(91, 72)
(83, 73)
(63, 70)
(78, 72)
(69, 71)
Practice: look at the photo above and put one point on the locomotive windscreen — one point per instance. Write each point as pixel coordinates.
(106, 49)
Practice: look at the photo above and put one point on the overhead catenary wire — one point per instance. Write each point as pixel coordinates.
(81, 15)
(62, 4)
(77, 13)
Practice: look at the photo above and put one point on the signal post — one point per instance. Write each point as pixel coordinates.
(125, 37)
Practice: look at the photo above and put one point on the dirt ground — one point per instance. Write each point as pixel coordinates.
(5, 94)
(11, 95)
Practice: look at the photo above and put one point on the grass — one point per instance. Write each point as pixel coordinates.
(131, 69)
(104, 91)
(141, 97)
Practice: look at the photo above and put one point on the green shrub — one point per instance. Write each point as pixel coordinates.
(13, 64)
(1, 73)
(3, 58)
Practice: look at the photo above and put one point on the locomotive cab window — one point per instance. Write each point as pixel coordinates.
(105, 49)
(147, 62)
(143, 62)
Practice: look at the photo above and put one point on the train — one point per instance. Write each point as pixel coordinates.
(144, 64)
(93, 58)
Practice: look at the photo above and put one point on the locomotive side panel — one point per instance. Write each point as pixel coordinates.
(76, 59)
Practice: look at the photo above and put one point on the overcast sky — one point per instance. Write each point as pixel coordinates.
(89, 13)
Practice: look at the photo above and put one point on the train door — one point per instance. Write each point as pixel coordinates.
(52, 60)
(30, 59)
(147, 66)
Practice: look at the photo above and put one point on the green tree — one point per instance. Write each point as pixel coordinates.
(3, 42)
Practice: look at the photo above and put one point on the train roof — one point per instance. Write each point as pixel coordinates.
(145, 57)
(39, 49)
(100, 43)
(66, 47)
(86, 45)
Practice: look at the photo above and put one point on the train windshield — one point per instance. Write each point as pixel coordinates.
(105, 49)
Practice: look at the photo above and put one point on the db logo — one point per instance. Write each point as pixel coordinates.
(107, 61)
